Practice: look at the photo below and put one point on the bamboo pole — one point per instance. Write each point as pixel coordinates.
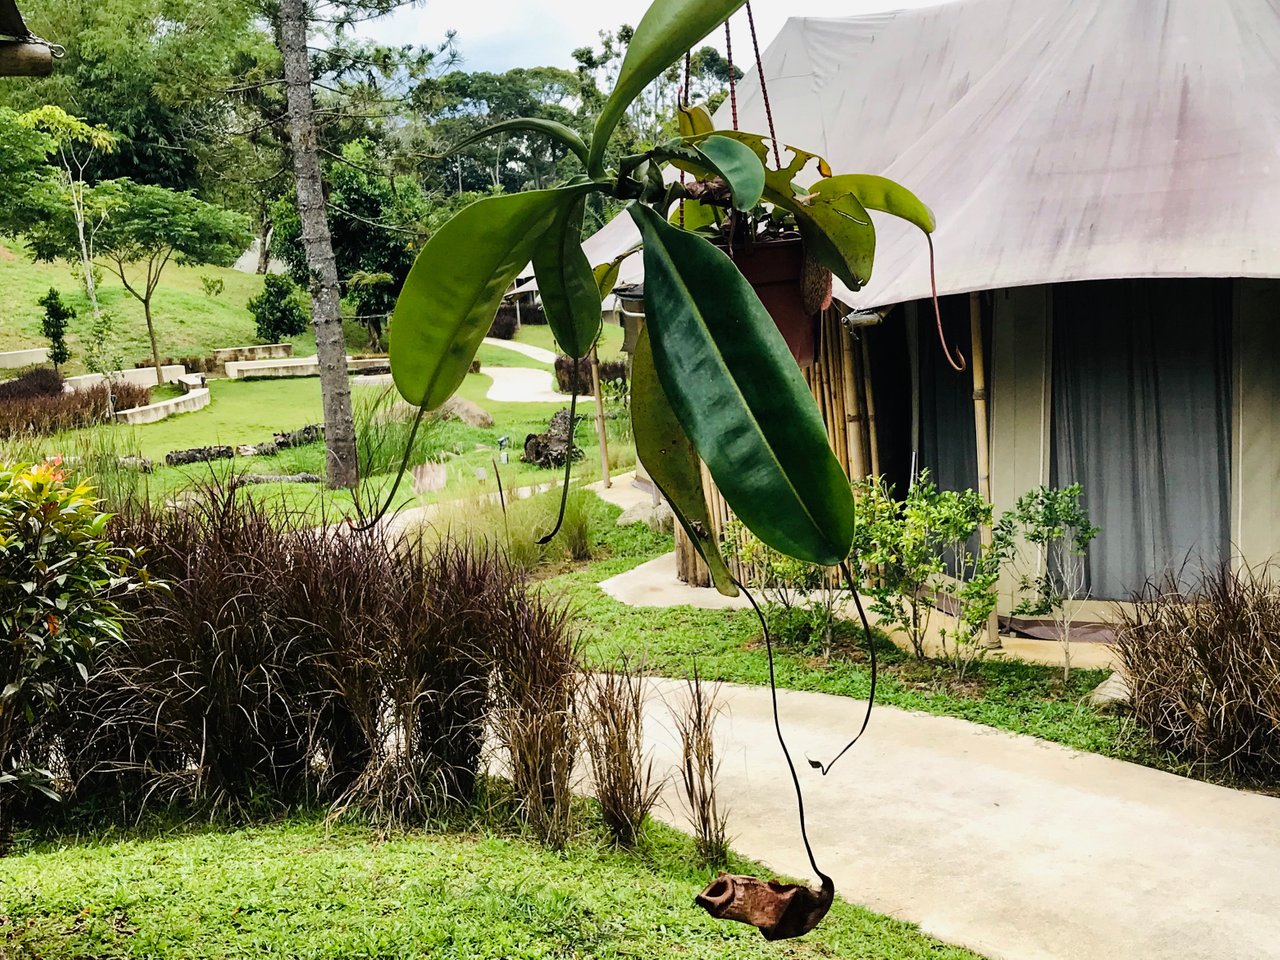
(853, 411)
(978, 366)
(873, 436)
(600, 430)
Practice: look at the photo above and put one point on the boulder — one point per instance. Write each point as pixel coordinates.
(472, 414)
(658, 517)
(1111, 694)
(257, 450)
(300, 438)
(178, 458)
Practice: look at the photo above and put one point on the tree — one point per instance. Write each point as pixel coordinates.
(276, 310)
(24, 171)
(376, 223)
(326, 310)
(142, 228)
(75, 144)
(154, 71)
(57, 315)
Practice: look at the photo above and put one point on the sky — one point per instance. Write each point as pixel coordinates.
(498, 35)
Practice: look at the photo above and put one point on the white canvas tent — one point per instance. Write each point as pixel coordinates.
(1062, 142)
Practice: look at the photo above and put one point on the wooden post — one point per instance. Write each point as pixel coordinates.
(977, 365)
(853, 410)
(604, 440)
(19, 59)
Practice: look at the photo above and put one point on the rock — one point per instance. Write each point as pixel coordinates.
(1111, 694)
(429, 477)
(552, 449)
(257, 450)
(250, 479)
(659, 518)
(313, 433)
(141, 464)
(472, 414)
(178, 458)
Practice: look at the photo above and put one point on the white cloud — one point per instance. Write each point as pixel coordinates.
(501, 34)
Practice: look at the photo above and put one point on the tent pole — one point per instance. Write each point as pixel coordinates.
(604, 440)
(873, 436)
(978, 366)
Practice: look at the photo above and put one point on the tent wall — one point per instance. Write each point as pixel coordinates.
(1255, 506)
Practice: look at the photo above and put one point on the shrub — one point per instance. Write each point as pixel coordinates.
(800, 598)
(213, 286)
(505, 324)
(57, 315)
(47, 414)
(277, 311)
(36, 382)
(1204, 670)
(532, 313)
(916, 555)
(612, 373)
(61, 583)
(613, 732)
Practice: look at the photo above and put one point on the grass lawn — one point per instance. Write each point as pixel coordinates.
(728, 646)
(188, 321)
(299, 890)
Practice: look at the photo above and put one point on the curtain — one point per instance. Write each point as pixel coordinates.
(947, 446)
(1142, 418)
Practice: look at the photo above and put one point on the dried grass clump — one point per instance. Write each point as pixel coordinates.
(613, 733)
(1204, 670)
(35, 413)
(700, 770)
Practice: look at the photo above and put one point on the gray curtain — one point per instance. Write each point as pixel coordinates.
(1141, 418)
(947, 446)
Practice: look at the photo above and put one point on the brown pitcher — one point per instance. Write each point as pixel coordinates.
(780, 911)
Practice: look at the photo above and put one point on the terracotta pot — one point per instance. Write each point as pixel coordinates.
(775, 269)
(780, 911)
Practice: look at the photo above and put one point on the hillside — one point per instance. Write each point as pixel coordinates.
(188, 321)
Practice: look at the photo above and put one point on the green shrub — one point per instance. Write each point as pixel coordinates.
(61, 583)
(213, 286)
(277, 310)
(57, 316)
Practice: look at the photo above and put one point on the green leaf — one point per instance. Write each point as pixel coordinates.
(836, 227)
(738, 166)
(739, 395)
(570, 295)
(667, 30)
(551, 128)
(883, 194)
(668, 456)
(694, 121)
(453, 291)
(606, 274)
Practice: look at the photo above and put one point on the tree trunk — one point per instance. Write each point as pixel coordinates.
(326, 314)
(264, 244)
(155, 350)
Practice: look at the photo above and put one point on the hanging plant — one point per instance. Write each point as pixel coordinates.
(713, 378)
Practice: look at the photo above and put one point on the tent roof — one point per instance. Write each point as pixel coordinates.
(1055, 140)
(11, 24)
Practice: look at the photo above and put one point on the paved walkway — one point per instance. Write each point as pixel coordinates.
(530, 351)
(1017, 848)
(522, 385)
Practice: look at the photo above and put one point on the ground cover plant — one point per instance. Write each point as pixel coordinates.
(35, 404)
(1203, 664)
(303, 888)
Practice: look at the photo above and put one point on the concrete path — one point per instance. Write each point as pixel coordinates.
(522, 385)
(1014, 847)
(530, 351)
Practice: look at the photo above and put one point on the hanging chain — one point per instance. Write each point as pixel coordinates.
(733, 83)
(685, 100)
(764, 88)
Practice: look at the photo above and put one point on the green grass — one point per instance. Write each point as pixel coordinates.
(539, 335)
(299, 890)
(727, 645)
(188, 321)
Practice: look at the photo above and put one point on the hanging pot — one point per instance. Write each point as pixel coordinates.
(790, 290)
(780, 911)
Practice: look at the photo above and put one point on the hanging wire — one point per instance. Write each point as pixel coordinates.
(733, 82)
(568, 460)
(684, 102)
(764, 88)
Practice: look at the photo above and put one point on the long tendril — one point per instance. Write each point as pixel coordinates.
(568, 460)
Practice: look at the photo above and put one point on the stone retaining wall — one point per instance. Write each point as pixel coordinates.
(293, 367)
(154, 412)
(14, 359)
(262, 351)
(142, 376)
